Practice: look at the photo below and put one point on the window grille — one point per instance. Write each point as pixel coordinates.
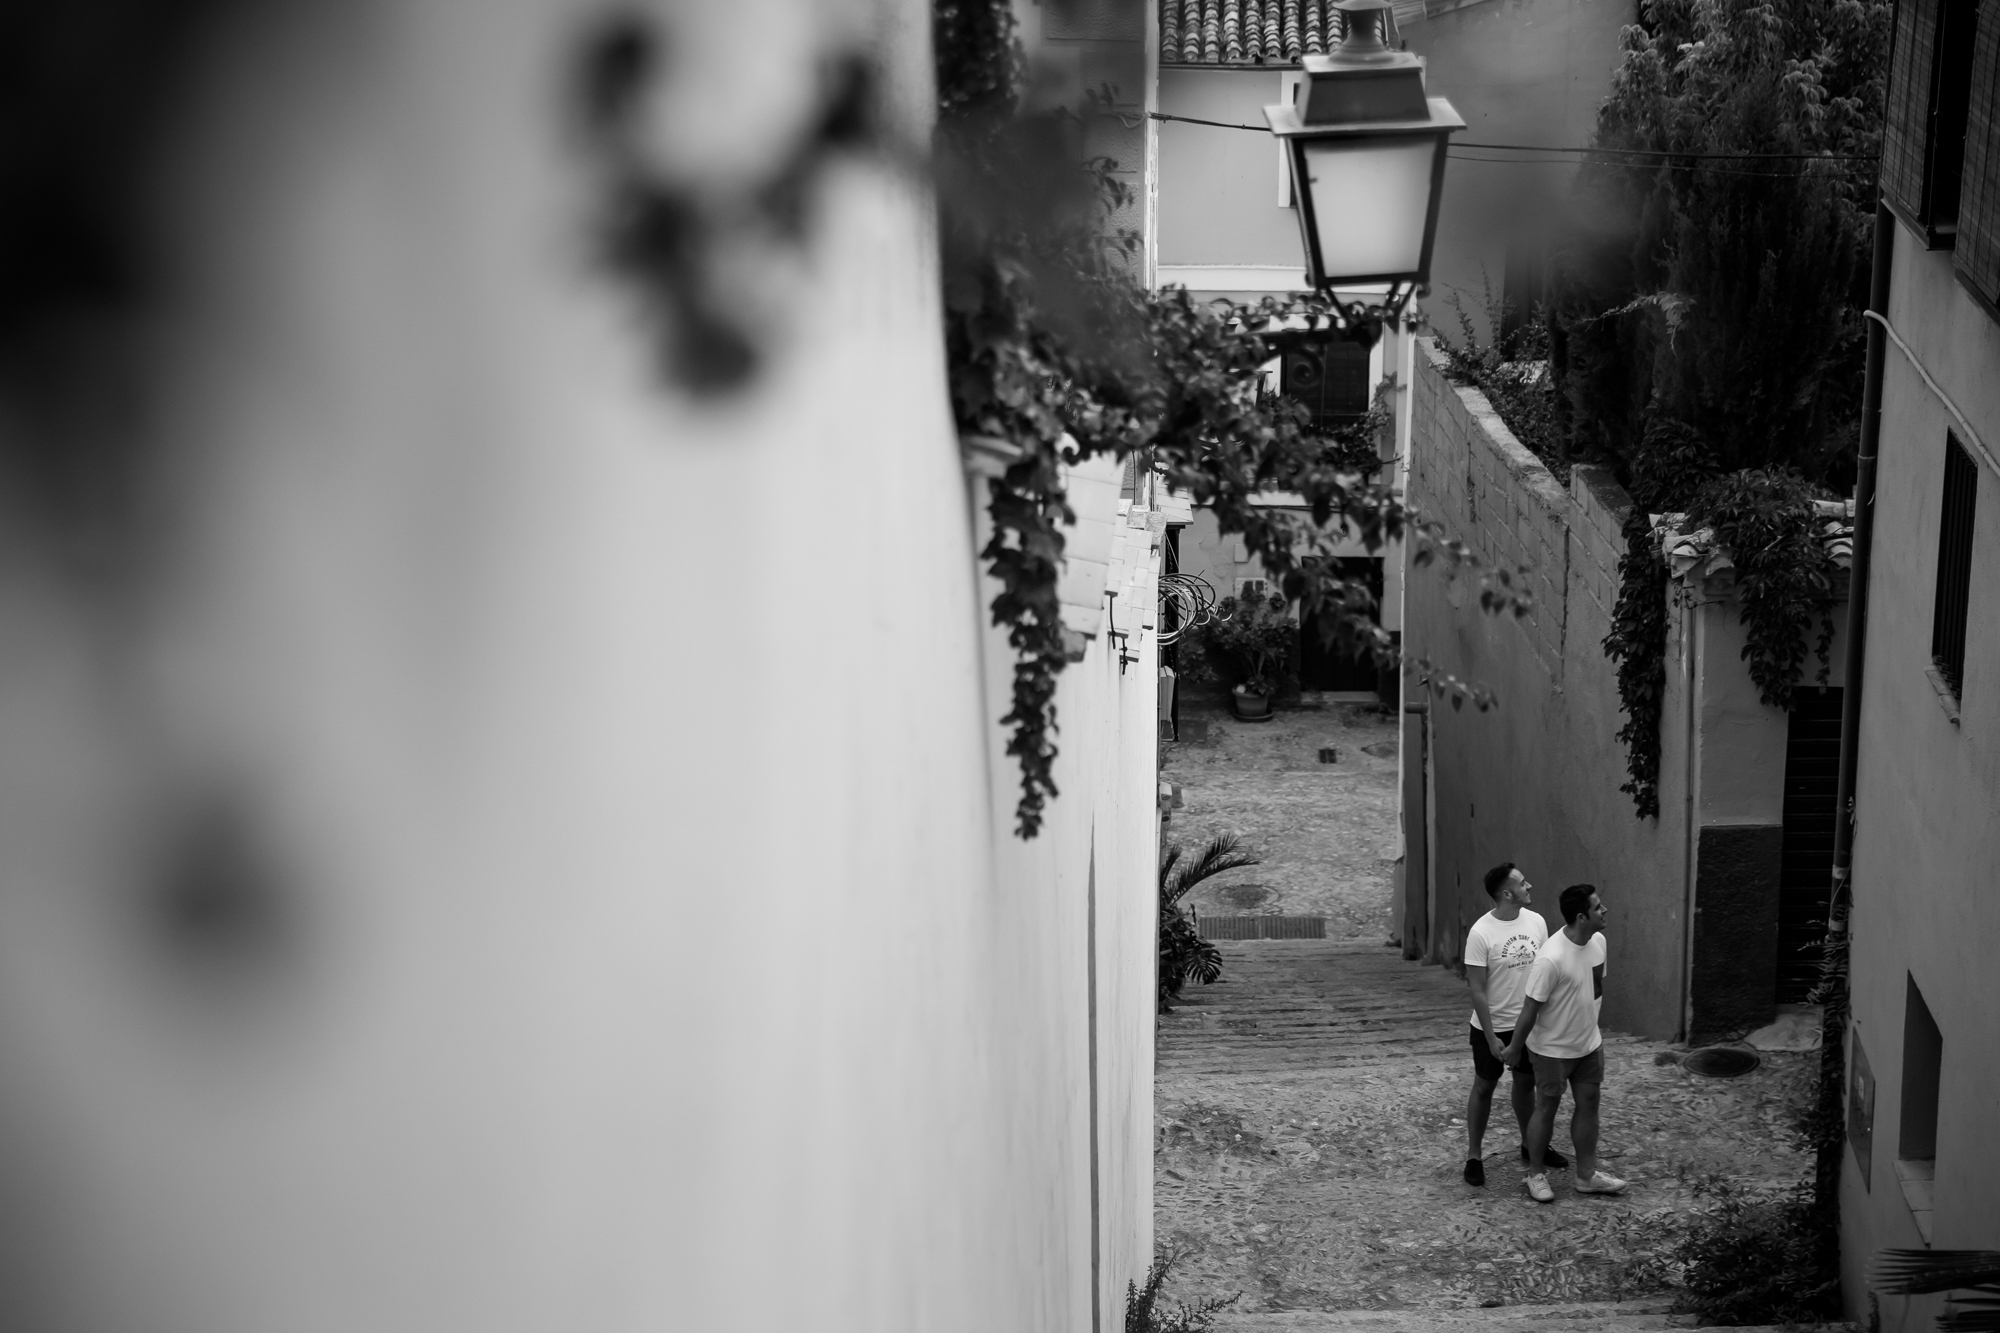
(1330, 379)
(1924, 129)
(1954, 567)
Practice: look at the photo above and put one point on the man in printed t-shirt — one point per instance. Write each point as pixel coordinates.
(1500, 950)
(1557, 1032)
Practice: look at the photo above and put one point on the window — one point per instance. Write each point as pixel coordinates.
(1976, 250)
(1330, 378)
(1924, 130)
(1954, 567)
(1916, 1141)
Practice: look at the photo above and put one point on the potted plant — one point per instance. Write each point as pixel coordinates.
(1258, 640)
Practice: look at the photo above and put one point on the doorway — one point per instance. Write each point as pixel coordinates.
(1812, 781)
(1329, 669)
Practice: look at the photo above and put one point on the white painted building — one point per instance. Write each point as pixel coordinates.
(492, 838)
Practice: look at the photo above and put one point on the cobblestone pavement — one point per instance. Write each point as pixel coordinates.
(1327, 832)
(1310, 1105)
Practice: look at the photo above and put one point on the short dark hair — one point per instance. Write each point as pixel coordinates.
(1575, 902)
(1496, 878)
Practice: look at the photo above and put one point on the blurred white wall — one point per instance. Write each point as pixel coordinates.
(532, 849)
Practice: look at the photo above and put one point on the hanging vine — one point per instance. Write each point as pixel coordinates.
(1053, 348)
(1638, 644)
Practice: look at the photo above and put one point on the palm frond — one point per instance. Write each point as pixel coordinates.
(1222, 853)
(1167, 864)
(1972, 1314)
(1916, 1272)
(1206, 964)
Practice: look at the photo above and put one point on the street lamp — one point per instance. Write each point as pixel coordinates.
(1367, 153)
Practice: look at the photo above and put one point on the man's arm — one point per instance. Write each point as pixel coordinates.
(1530, 1008)
(1475, 981)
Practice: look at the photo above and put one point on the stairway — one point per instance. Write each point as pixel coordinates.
(1313, 1005)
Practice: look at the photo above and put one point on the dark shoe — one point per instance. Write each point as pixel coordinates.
(1551, 1159)
(1475, 1171)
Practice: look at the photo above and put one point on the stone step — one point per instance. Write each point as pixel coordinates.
(1646, 1316)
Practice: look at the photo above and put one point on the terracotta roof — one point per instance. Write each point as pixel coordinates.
(1268, 32)
(1245, 32)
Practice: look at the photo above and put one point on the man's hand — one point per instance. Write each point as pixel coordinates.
(1493, 1045)
(1531, 1009)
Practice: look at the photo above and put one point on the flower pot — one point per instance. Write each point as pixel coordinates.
(1252, 707)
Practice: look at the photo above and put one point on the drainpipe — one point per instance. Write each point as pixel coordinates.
(1833, 1022)
(1690, 658)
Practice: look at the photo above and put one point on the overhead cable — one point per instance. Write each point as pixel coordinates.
(1552, 148)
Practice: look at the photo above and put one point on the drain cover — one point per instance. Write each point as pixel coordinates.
(1243, 895)
(1721, 1061)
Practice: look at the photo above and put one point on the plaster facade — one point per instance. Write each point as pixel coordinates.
(1926, 919)
(620, 922)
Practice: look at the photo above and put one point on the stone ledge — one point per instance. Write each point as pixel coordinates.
(1529, 470)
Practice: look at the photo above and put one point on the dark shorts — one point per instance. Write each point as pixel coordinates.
(1551, 1072)
(1483, 1063)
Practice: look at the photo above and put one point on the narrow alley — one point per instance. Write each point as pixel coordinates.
(1310, 1105)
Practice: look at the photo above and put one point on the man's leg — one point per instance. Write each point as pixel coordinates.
(1583, 1127)
(1524, 1096)
(1586, 1084)
(1548, 1099)
(1486, 1073)
(1478, 1106)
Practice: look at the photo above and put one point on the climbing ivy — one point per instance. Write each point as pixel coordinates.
(1786, 582)
(1784, 576)
(1638, 644)
(1054, 349)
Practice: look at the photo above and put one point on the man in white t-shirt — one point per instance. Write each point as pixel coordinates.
(1557, 1032)
(1499, 951)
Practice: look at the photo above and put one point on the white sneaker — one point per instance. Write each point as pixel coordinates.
(1539, 1191)
(1601, 1183)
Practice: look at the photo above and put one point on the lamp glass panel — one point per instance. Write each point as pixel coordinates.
(1370, 197)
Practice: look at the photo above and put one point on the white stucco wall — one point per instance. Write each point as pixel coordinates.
(621, 923)
(1926, 843)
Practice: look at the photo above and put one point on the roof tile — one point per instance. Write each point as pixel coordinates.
(1245, 32)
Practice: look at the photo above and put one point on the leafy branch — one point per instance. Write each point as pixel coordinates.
(1053, 347)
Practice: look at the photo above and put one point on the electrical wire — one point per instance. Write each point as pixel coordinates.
(1706, 168)
(1670, 153)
